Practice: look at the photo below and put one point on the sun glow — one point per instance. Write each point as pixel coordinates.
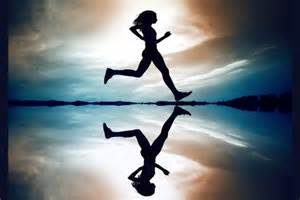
(117, 46)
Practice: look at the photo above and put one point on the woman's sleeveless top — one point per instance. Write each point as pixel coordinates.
(149, 37)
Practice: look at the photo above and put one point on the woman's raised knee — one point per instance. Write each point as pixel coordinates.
(139, 73)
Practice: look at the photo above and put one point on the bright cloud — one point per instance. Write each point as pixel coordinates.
(201, 80)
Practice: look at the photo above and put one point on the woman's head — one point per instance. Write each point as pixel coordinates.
(144, 188)
(147, 17)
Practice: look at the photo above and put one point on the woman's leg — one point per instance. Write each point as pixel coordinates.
(161, 65)
(142, 140)
(143, 66)
(160, 140)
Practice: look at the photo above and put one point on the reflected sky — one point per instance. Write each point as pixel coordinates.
(61, 153)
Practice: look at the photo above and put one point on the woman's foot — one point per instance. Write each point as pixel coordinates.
(107, 131)
(181, 111)
(182, 95)
(108, 75)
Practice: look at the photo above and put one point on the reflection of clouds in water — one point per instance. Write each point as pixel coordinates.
(92, 170)
(197, 127)
(215, 133)
(42, 172)
(60, 153)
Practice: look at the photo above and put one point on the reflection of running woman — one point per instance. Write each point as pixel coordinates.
(149, 152)
(143, 23)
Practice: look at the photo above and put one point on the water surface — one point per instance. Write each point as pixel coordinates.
(217, 153)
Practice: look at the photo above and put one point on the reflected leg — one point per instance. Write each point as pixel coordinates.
(160, 140)
(142, 140)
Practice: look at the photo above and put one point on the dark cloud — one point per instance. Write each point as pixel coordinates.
(269, 69)
(59, 17)
(220, 51)
(218, 17)
(20, 12)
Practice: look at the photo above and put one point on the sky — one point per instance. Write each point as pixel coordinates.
(61, 49)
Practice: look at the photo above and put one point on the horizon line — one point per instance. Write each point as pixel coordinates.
(266, 102)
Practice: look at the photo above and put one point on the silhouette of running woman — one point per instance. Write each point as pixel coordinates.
(149, 152)
(150, 54)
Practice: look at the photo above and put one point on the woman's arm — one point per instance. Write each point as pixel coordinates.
(135, 32)
(133, 174)
(167, 34)
(166, 172)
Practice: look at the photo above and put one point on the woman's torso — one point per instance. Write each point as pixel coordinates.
(149, 163)
(150, 37)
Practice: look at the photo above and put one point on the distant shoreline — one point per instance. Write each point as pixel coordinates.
(265, 103)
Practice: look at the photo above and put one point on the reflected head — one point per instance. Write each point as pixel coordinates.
(144, 188)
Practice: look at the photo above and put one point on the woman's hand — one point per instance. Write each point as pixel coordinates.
(167, 34)
(133, 174)
(166, 172)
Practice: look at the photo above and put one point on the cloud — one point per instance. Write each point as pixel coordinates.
(204, 79)
(264, 49)
(45, 29)
(219, 18)
(59, 48)
(59, 18)
(216, 73)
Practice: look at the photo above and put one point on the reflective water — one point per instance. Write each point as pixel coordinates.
(217, 153)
